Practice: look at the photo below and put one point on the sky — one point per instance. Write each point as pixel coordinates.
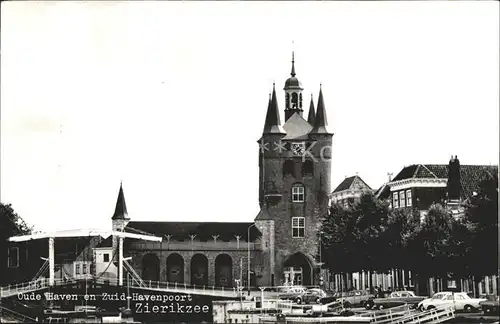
(170, 98)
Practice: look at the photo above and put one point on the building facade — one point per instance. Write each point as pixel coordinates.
(281, 246)
(419, 186)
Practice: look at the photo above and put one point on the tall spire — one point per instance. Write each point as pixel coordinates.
(273, 120)
(321, 122)
(121, 207)
(293, 64)
(312, 114)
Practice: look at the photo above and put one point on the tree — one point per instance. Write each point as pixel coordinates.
(11, 223)
(482, 219)
(439, 247)
(399, 234)
(337, 238)
(370, 215)
(350, 236)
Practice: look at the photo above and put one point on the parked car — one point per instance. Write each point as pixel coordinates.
(313, 295)
(461, 301)
(396, 298)
(350, 298)
(490, 305)
(292, 293)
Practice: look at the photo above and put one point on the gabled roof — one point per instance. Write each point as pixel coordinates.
(383, 192)
(349, 182)
(470, 175)
(108, 242)
(202, 230)
(297, 127)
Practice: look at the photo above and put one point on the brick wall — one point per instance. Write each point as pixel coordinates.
(317, 188)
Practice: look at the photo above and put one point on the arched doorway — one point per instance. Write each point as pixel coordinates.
(199, 270)
(150, 267)
(175, 268)
(298, 270)
(223, 271)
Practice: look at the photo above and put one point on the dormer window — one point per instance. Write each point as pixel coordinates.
(298, 193)
(402, 199)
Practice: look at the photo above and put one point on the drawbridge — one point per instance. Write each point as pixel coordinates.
(40, 282)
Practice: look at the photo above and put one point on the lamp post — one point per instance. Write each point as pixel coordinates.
(248, 256)
(320, 260)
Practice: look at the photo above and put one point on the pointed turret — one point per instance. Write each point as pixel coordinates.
(121, 207)
(273, 121)
(320, 122)
(312, 113)
(293, 64)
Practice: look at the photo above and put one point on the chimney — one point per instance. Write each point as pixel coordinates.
(389, 174)
(454, 186)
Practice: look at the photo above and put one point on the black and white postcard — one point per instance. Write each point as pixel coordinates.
(249, 162)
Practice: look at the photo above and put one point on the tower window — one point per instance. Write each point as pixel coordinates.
(402, 199)
(298, 226)
(13, 257)
(295, 100)
(106, 257)
(408, 198)
(289, 168)
(395, 200)
(298, 193)
(307, 168)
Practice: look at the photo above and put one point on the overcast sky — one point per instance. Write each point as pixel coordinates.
(170, 98)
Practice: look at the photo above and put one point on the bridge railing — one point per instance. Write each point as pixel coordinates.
(180, 287)
(18, 316)
(17, 288)
(436, 315)
(174, 287)
(387, 315)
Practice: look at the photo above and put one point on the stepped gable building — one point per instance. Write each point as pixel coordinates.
(294, 187)
(421, 185)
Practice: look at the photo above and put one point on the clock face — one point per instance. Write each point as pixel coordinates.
(298, 148)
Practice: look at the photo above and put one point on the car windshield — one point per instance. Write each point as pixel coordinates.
(464, 296)
(438, 296)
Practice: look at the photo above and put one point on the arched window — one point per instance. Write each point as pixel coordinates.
(295, 100)
(289, 168)
(307, 168)
(288, 100)
(298, 193)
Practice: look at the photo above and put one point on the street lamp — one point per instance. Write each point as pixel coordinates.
(320, 260)
(248, 256)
